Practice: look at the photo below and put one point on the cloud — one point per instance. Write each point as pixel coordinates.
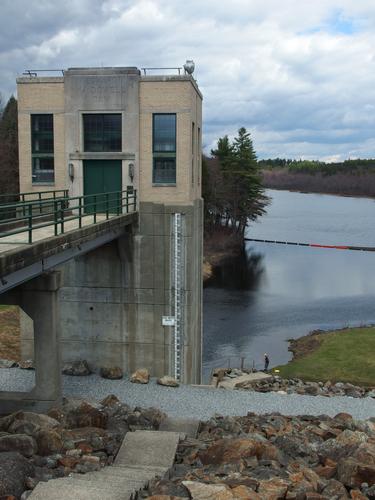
(298, 74)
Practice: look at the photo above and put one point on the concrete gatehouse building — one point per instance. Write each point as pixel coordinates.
(106, 130)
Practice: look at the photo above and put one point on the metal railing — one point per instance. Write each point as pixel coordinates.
(8, 202)
(56, 212)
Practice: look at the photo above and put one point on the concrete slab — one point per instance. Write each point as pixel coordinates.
(121, 483)
(250, 377)
(68, 489)
(187, 426)
(148, 448)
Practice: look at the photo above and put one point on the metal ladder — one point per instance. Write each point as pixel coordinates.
(178, 282)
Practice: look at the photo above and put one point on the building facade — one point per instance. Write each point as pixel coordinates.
(103, 130)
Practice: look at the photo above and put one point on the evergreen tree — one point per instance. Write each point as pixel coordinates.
(240, 197)
(9, 148)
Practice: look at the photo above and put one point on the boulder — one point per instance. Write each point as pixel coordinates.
(77, 368)
(352, 473)
(21, 443)
(202, 491)
(358, 495)
(85, 437)
(30, 423)
(343, 446)
(335, 489)
(49, 442)
(244, 493)
(141, 376)
(14, 469)
(79, 413)
(274, 489)
(113, 373)
(110, 400)
(168, 381)
(226, 451)
(27, 364)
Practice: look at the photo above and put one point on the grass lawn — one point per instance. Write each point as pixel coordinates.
(339, 356)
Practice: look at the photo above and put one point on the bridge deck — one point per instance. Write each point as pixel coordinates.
(16, 241)
(20, 262)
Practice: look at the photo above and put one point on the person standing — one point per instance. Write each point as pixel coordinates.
(266, 361)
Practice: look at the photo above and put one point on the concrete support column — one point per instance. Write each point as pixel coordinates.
(39, 300)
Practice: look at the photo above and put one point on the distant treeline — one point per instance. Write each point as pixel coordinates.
(313, 167)
(350, 177)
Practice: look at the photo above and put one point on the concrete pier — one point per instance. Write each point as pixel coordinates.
(39, 300)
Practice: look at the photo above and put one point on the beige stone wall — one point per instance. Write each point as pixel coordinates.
(41, 96)
(170, 96)
(157, 95)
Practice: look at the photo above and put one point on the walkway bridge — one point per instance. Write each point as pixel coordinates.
(36, 236)
(45, 229)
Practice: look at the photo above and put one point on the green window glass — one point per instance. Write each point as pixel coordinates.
(42, 152)
(102, 132)
(164, 148)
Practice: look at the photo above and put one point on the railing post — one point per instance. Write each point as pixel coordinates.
(23, 204)
(56, 217)
(40, 202)
(94, 208)
(135, 199)
(62, 215)
(119, 196)
(106, 206)
(30, 225)
(127, 201)
(80, 212)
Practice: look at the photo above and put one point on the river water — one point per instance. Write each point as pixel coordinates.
(272, 293)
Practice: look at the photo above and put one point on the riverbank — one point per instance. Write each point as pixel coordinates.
(345, 355)
(361, 185)
(219, 245)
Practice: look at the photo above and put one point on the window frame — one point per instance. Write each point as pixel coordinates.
(167, 155)
(103, 140)
(40, 155)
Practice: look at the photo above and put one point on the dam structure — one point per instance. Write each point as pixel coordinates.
(108, 228)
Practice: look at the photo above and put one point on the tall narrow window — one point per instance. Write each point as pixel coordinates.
(43, 169)
(102, 132)
(164, 149)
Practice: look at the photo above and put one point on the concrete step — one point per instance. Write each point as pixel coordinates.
(148, 449)
(69, 489)
(187, 426)
(142, 456)
(115, 482)
(150, 471)
(131, 474)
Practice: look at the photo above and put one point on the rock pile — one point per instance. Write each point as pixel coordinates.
(291, 386)
(78, 436)
(272, 457)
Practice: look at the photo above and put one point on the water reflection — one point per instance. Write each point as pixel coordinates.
(242, 272)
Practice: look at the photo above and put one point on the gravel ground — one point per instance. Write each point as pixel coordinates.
(195, 402)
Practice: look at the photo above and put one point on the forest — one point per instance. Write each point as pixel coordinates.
(354, 177)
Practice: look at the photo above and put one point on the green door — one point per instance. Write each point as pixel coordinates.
(102, 185)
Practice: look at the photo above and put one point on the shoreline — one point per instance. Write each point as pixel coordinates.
(342, 195)
(219, 246)
(309, 343)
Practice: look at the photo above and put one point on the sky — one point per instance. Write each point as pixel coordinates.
(298, 74)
